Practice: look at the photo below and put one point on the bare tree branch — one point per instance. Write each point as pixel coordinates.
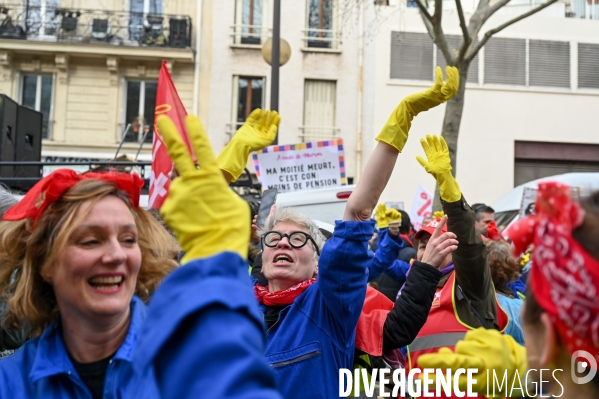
(483, 12)
(467, 38)
(440, 40)
(491, 32)
(497, 6)
(424, 11)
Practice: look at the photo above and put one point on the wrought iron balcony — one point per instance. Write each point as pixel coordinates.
(93, 26)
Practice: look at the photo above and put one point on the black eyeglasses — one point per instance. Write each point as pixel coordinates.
(296, 239)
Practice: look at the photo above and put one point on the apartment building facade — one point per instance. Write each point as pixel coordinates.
(530, 100)
(92, 67)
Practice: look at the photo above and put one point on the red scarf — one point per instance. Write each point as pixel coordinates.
(564, 277)
(281, 297)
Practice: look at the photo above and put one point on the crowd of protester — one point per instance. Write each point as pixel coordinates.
(100, 298)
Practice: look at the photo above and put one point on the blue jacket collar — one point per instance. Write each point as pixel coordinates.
(51, 357)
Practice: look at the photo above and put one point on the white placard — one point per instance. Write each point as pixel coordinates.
(527, 206)
(422, 206)
(399, 205)
(301, 167)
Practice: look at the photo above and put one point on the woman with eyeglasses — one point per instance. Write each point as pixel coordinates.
(315, 292)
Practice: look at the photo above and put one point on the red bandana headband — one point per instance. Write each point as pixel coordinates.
(564, 277)
(52, 187)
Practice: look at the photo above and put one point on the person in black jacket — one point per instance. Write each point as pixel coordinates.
(412, 307)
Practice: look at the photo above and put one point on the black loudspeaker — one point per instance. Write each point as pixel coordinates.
(8, 124)
(29, 142)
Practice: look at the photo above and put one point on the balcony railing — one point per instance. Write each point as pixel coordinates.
(322, 38)
(249, 34)
(317, 133)
(94, 26)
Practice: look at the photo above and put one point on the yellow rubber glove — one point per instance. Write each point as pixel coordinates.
(485, 350)
(381, 216)
(206, 215)
(439, 165)
(258, 132)
(393, 216)
(395, 132)
(438, 214)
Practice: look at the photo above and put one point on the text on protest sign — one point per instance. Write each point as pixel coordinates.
(304, 166)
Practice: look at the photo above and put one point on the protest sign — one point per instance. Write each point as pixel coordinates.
(527, 206)
(422, 206)
(399, 205)
(304, 166)
(529, 198)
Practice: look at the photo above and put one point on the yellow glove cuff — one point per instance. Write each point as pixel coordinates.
(449, 188)
(395, 132)
(233, 158)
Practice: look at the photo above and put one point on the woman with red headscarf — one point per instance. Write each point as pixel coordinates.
(84, 257)
(561, 312)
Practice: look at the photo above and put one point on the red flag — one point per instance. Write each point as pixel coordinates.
(167, 103)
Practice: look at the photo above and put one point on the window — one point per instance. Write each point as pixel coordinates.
(41, 17)
(549, 63)
(248, 94)
(412, 56)
(588, 60)
(505, 61)
(321, 24)
(141, 103)
(139, 26)
(248, 18)
(36, 93)
(535, 160)
(319, 110)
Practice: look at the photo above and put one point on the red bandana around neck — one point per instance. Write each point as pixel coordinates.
(281, 297)
(52, 187)
(564, 277)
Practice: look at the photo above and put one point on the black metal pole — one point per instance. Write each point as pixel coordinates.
(276, 59)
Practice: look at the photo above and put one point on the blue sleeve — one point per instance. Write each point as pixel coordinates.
(343, 272)
(385, 258)
(204, 334)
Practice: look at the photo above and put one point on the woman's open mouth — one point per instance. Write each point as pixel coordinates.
(106, 283)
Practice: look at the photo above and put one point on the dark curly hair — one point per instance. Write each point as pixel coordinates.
(504, 266)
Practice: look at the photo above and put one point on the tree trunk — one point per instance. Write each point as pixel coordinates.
(451, 126)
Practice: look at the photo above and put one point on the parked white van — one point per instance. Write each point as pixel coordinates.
(325, 204)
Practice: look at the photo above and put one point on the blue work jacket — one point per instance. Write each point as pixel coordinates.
(204, 336)
(314, 336)
(42, 368)
(384, 259)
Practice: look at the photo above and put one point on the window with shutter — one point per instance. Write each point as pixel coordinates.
(319, 110)
(411, 56)
(534, 160)
(505, 61)
(588, 65)
(454, 41)
(549, 63)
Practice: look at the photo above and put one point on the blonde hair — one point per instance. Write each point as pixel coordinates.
(27, 253)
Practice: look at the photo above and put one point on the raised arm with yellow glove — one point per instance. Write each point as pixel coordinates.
(206, 216)
(488, 351)
(438, 164)
(258, 132)
(381, 216)
(395, 132)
